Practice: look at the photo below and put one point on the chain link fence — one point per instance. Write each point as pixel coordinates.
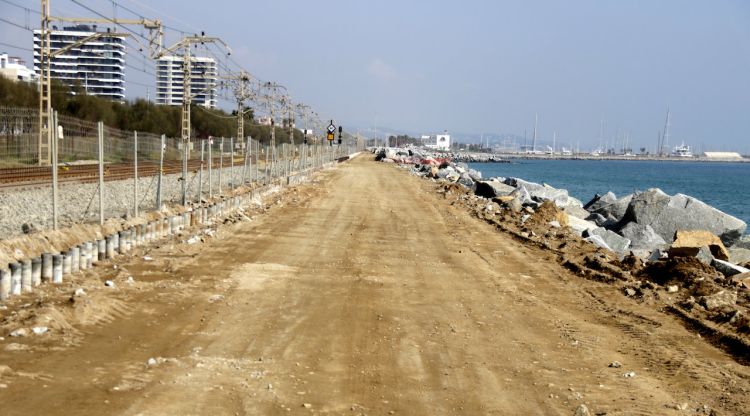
(104, 173)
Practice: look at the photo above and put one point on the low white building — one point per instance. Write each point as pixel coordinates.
(15, 68)
(722, 155)
(437, 141)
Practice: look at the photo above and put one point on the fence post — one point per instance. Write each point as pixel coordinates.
(231, 162)
(101, 172)
(161, 173)
(185, 155)
(135, 173)
(267, 171)
(247, 155)
(257, 160)
(210, 165)
(200, 172)
(221, 162)
(53, 146)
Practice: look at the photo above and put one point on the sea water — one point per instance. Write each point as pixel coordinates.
(725, 186)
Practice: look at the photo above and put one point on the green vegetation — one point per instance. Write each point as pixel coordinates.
(139, 115)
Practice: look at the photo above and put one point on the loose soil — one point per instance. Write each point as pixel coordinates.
(364, 292)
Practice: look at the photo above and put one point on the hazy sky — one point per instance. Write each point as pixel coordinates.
(484, 66)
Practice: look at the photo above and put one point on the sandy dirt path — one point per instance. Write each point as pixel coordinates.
(365, 293)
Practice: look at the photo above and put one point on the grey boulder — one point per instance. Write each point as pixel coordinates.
(642, 237)
(492, 188)
(614, 241)
(541, 193)
(600, 201)
(667, 214)
(598, 241)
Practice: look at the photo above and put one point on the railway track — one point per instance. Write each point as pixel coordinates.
(19, 177)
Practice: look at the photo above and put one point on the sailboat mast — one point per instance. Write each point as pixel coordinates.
(554, 140)
(533, 143)
(665, 137)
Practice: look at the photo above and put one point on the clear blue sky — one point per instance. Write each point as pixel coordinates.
(486, 66)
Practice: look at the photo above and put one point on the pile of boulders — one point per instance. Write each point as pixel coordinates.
(646, 224)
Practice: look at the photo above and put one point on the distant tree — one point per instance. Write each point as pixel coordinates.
(139, 115)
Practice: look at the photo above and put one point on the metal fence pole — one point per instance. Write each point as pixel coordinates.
(100, 128)
(161, 172)
(210, 166)
(200, 172)
(247, 157)
(135, 173)
(54, 170)
(267, 172)
(231, 162)
(221, 162)
(185, 155)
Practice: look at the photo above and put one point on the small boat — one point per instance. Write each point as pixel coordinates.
(682, 151)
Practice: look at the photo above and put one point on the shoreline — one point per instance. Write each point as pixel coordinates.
(614, 157)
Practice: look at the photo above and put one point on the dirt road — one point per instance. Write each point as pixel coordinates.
(361, 293)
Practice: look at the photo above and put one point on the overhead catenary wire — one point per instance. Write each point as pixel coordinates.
(226, 64)
(8, 45)
(2, 19)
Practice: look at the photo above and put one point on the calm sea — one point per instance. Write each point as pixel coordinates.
(724, 186)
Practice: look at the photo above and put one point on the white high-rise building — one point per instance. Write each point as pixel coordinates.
(169, 79)
(97, 66)
(14, 68)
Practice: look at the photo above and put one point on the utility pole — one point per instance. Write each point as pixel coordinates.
(184, 46)
(270, 101)
(242, 93)
(46, 54)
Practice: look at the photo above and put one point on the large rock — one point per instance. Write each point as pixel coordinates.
(739, 255)
(600, 201)
(667, 214)
(642, 237)
(576, 211)
(598, 241)
(687, 243)
(718, 300)
(580, 226)
(475, 175)
(743, 242)
(492, 188)
(541, 193)
(614, 210)
(728, 269)
(616, 242)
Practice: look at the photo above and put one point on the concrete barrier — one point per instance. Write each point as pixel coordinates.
(15, 278)
(57, 268)
(4, 285)
(36, 271)
(109, 246)
(46, 267)
(89, 254)
(26, 276)
(67, 261)
(101, 250)
(75, 262)
(121, 237)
